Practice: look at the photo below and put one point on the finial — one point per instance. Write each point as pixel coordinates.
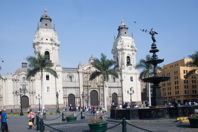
(91, 59)
(45, 11)
(122, 22)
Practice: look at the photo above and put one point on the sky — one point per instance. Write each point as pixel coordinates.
(87, 28)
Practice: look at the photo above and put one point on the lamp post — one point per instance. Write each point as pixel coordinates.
(21, 111)
(88, 72)
(83, 97)
(57, 109)
(130, 92)
(39, 98)
(22, 90)
(18, 93)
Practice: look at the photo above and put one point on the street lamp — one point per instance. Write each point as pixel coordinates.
(88, 72)
(39, 98)
(130, 92)
(22, 90)
(83, 97)
(21, 111)
(57, 110)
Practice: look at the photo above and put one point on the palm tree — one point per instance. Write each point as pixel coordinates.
(40, 64)
(147, 68)
(147, 71)
(104, 67)
(193, 63)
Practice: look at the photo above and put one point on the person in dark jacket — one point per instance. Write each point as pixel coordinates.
(4, 122)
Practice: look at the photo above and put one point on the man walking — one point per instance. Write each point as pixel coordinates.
(4, 118)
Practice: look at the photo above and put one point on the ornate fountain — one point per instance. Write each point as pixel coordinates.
(155, 79)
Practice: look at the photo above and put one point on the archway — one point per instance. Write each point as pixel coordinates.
(25, 101)
(71, 100)
(47, 55)
(115, 99)
(94, 98)
(128, 61)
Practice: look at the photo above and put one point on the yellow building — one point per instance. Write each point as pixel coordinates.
(179, 88)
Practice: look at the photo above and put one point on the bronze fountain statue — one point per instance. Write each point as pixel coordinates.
(155, 79)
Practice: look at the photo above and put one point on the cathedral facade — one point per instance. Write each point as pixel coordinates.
(72, 87)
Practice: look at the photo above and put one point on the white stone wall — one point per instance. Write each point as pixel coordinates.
(47, 40)
(124, 46)
(73, 80)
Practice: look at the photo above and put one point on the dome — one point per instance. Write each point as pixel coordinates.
(45, 17)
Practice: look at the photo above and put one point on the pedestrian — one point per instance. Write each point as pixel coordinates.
(4, 124)
(30, 124)
(31, 116)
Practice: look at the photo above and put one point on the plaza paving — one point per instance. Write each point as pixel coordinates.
(19, 124)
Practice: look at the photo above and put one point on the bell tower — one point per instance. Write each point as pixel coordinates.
(124, 53)
(46, 43)
(124, 50)
(46, 39)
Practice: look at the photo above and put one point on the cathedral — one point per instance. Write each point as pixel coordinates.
(72, 87)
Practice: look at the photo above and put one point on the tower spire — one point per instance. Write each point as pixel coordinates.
(45, 20)
(122, 29)
(122, 22)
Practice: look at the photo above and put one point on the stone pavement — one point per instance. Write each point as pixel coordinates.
(19, 124)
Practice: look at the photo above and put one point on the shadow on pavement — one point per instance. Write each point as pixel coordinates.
(183, 125)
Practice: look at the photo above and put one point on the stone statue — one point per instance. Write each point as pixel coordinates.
(152, 33)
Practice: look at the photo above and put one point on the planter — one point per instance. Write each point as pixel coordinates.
(98, 127)
(70, 119)
(193, 122)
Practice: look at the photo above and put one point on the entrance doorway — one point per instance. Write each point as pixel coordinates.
(25, 101)
(94, 98)
(71, 100)
(115, 99)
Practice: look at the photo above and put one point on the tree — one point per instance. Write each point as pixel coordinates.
(104, 67)
(40, 64)
(193, 63)
(147, 67)
(146, 72)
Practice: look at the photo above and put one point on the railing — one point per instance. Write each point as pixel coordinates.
(41, 125)
(124, 124)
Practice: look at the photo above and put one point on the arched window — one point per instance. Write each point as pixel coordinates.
(117, 62)
(70, 78)
(128, 61)
(24, 78)
(131, 78)
(48, 89)
(114, 79)
(114, 99)
(47, 77)
(47, 55)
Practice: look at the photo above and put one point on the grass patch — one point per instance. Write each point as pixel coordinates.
(16, 113)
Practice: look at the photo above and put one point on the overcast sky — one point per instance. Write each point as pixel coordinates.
(87, 28)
